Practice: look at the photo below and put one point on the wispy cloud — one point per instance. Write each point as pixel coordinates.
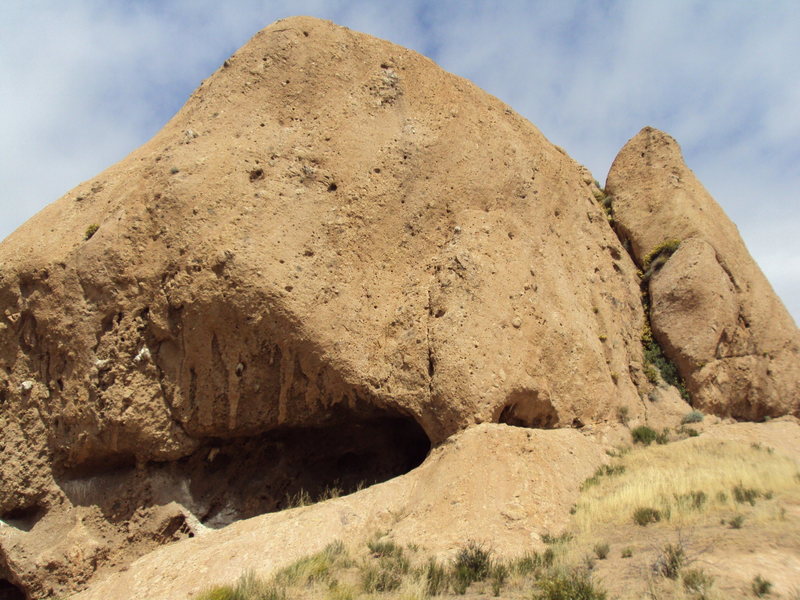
(87, 81)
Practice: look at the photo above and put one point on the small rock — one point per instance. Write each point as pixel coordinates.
(516, 322)
(27, 385)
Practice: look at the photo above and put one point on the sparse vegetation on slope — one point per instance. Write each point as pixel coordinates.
(383, 569)
(657, 363)
(694, 416)
(90, 231)
(686, 480)
(657, 258)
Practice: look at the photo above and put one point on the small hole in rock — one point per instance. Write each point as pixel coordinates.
(24, 518)
(529, 408)
(333, 187)
(256, 174)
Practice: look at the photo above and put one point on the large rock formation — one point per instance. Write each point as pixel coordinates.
(332, 233)
(335, 256)
(712, 309)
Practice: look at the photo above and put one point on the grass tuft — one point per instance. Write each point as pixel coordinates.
(602, 471)
(645, 515)
(747, 495)
(386, 570)
(657, 363)
(568, 585)
(248, 587)
(670, 561)
(556, 539)
(665, 249)
(473, 562)
(694, 416)
(736, 522)
(644, 435)
(760, 586)
(316, 567)
(90, 231)
(436, 578)
(697, 581)
(601, 551)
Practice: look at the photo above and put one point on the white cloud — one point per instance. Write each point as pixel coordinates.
(87, 81)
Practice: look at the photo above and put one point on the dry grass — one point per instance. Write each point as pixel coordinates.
(687, 481)
(383, 570)
(315, 568)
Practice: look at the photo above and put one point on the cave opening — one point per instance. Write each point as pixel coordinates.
(228, 479)
(8, 591)
(528, 408)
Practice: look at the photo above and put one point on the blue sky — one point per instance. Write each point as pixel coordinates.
(84, 82)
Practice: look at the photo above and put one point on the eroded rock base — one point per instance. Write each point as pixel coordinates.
(112, 513)
(227, 480)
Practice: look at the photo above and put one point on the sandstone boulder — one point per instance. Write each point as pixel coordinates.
(335, 254)
(712, 309)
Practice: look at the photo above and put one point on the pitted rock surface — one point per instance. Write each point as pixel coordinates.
(712, 309)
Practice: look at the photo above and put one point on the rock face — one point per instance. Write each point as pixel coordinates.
(332, 239)
(334, 257)
(712, 309)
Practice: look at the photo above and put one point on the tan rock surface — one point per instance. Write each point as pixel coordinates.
(712, 309)
(333, 237)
